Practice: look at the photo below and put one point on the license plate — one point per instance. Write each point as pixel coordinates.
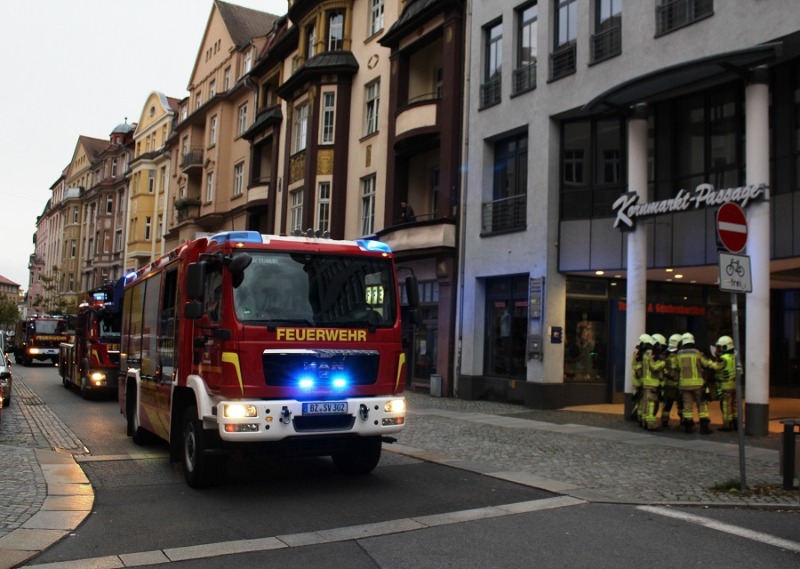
(325, 408)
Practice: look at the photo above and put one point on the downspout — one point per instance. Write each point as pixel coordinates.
(462, 210)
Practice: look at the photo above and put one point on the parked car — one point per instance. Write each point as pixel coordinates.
(5, 380)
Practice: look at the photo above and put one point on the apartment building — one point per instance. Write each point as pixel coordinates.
(208, 153)
(603, 136)
(148, 179)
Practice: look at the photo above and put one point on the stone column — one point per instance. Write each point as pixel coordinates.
(756, 364)
(636, 311)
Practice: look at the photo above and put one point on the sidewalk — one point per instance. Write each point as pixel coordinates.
(590, 453)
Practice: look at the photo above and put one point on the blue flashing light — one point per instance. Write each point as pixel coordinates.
(339, 382)
(243, 236)
(371, 245)
(306, 383)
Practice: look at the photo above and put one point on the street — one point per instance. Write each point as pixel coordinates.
(408, 513)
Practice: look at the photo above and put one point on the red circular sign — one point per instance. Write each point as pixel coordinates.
(732, 227)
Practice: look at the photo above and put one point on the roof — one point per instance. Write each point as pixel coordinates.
(244, 24)
(654, 85)
(5, 281)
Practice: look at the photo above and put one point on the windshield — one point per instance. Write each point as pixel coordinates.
(109, 326)
(49, 326)
(317, 290)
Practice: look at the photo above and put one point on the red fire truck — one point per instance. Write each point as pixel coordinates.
(38, 337)
(90, 360)
(286, 345)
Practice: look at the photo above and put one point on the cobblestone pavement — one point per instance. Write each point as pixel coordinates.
(593, 456)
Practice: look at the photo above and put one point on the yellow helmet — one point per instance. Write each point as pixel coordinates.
(687, 338)
(659, 339)
(647, 339)
(674, 342)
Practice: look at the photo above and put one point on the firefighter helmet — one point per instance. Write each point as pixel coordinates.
(726, 343)
(674, 342)
(687, 338)
(659, 339)
(647, 339)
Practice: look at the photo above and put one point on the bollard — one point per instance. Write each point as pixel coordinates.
(788, 452)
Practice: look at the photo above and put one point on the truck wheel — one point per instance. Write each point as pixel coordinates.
(7, 401)
(85, 391)
(360, 457)
(199, 468)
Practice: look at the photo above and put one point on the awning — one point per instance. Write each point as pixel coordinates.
(656, 84)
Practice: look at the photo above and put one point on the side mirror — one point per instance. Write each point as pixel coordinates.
(237, 267)
(196, 279)
(412, 291)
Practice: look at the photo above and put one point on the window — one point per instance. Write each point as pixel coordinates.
(300, 127)
(151, 181)
(226, 82)
(248, 60)
(493, 65)
(324, 206)
(109, 204)
(328, 116)
(72, 248)
(368, 205)
(376, 17)
(75, 214)
(160, 227)
(113, 167)
(210, 186)
(238, 179)
(212, 88)
(311, 41)
(562, 60)
(162, 179)
(212, 131)
(674, 14)
(296, 208)
(147, 228)
(198, 100)
(607, 39)
(507, 210)
(335, 30)
(242, 124)
(372, 107)
(527, 36)
(118, 241)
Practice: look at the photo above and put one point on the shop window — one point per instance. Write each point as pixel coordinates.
(586, 331)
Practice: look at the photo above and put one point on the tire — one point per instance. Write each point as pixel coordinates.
(200, 469)
(85, 392)
(7, 402)
(360, 457)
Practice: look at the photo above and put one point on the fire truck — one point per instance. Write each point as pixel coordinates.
(288, 345)
(90, 360)
(38, 338)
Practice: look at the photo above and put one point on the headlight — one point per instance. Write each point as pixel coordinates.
(395, 406)
(239, 411)
(97, 376)
(34, 350)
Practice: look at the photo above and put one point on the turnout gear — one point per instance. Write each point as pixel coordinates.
(691, 364)
(670, 393)
(652, 382)
(726, 384)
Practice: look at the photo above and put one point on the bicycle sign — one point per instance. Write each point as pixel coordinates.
(734, 273)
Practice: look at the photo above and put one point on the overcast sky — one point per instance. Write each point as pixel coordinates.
(80, 67)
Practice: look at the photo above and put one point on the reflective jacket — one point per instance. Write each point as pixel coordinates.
(636, 370)
(653, 370)
(671, 372)
(691, 363)
(726, 377)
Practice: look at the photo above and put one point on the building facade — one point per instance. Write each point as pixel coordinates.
(584, 115)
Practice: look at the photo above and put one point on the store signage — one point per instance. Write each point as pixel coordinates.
(666, 308)
(628, 209)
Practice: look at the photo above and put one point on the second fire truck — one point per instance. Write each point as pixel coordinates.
(284, 345)
(90, 361)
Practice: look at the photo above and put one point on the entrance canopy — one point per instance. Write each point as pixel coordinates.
(684, 76)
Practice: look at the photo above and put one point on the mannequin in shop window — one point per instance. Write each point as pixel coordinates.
(505, 338)
(586, 342)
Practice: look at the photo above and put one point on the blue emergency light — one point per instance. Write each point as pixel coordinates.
(372, 245)
(243, 236)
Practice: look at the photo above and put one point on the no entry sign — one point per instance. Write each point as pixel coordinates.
(732, 227)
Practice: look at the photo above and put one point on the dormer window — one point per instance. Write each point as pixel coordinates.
(248, 60)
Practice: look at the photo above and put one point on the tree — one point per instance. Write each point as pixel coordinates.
(9, 313)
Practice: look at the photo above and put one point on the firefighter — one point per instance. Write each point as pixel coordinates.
(653, 365)
(691, 382)
(671, 394)
(726, 384)
(645, 342)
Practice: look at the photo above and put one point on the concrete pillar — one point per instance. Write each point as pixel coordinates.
(756, 364)
(636, 311)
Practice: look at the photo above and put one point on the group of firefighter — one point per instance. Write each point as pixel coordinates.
(676, 372)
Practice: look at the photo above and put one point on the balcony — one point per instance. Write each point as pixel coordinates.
(191, 160)
(607, 44)
(186, 208)
(504, 215)
(418, 114)
(563, 61)
(674, 14)
(524, 78)
(490, 92)
(429, 236)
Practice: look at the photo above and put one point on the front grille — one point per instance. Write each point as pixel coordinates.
(358, 367)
